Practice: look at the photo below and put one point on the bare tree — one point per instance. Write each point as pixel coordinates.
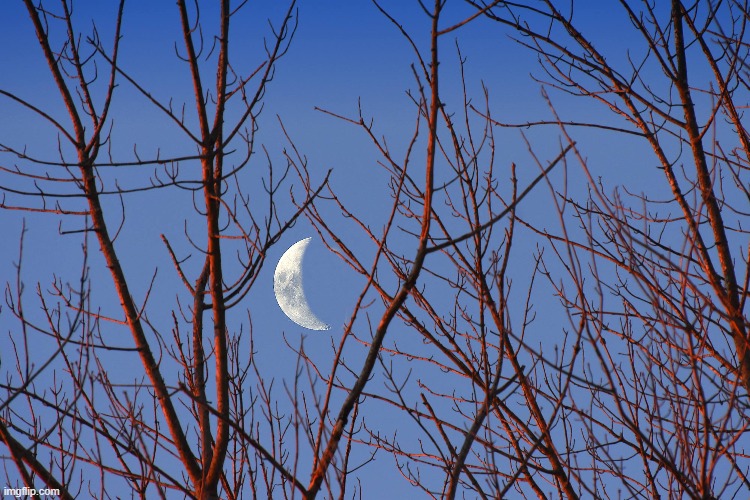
(645, 393)
(637, 388)
(181, 423)
(656, 278)
(460, 375)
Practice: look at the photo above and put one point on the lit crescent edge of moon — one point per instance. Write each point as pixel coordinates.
(287, 286)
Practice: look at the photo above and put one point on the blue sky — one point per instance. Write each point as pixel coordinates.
(343, 52)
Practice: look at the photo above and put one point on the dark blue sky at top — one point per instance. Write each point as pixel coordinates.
(342, 52)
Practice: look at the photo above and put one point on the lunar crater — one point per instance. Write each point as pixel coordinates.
(289, 290)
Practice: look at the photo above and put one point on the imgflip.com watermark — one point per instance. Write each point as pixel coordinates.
(26, 492)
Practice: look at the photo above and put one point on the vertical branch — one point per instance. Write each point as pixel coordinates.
(729, 293)
(86, 163)
(398, 300)
(213, 180)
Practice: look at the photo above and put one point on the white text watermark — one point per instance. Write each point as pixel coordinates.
(30, 492)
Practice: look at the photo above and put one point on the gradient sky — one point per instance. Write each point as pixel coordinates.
(343, 51)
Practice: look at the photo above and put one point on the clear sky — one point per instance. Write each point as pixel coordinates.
(343, 53)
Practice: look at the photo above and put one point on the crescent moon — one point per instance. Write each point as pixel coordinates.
(287, 286)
